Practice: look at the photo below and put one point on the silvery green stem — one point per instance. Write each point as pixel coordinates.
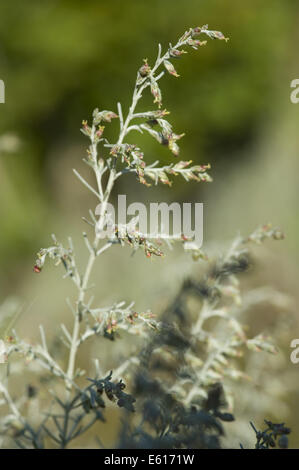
(93, 254)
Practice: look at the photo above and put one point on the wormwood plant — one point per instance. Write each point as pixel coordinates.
(180, 379)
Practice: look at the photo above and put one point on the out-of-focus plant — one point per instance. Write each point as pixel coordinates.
(186, 372)
(275, 435)
(186, 409)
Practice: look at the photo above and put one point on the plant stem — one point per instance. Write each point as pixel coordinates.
(92, 256)
(124, 125)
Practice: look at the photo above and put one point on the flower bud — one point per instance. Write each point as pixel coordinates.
(145, 70)
(156, 92)
(170, 68)
(100, 131)
(176, 52)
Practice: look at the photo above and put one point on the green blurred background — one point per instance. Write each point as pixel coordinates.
(61, 59)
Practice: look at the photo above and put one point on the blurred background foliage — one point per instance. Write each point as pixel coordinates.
(61, 59)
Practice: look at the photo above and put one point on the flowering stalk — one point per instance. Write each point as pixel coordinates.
(146, 77)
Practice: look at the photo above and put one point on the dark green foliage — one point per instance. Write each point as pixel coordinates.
(275, 435)
(113, 391)
(167, 423)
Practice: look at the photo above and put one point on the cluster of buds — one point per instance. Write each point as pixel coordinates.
(115, 150)
(155, 114)
(100, 131)
(40, 260)
(171, 142)
(129, 153)
(94, 136)
(136, 240)
(264, 232)
(141, 178)
(195, 173)
(56, 252)
(132, 317)
(95, 132)
(150, 249)
(144, 316)
(176, 52)
(160, 175)
(261, 343)
(195, 43)
(86, 129)
(166, 136)
(106, 116)
(132, 155)
(111, 327)
(212, 34)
